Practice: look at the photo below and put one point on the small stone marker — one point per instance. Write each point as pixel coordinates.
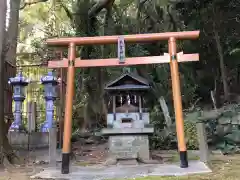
(202, 139)
(31, 116)
(52, 146)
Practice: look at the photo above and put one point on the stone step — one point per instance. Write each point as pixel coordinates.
(127, 162)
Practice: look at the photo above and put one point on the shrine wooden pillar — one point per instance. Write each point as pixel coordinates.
(171, 57)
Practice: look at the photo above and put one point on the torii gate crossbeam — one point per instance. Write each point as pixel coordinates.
(171, 57)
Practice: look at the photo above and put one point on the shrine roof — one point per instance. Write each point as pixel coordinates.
(128, 81)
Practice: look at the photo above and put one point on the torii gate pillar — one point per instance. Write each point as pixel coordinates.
(67, 132)
(177, 99)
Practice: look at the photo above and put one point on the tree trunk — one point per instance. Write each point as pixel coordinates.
(3, 10)
(107, 30)
(5, 47)
(220, 53)
(222, 66)
(99, 6)
(12, 32)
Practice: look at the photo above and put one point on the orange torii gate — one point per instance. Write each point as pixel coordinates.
(171, 57)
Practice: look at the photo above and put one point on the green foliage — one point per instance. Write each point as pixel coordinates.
(222, 127)
(190, 131)
(166, 138)
(160, 139)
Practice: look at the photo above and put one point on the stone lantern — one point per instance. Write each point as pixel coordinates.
(50, 83)
(19, 83)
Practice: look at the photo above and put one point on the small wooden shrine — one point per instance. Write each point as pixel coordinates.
(128, 120)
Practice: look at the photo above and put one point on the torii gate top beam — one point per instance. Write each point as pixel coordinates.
(137, 38)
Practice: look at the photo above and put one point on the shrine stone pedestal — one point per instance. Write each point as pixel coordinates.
(128, 143)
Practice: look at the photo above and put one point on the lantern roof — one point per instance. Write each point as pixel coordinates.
(19, 79)
(49, 78)
(128, 81)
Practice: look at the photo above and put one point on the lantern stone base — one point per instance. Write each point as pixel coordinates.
(22, 140)
(128, 143)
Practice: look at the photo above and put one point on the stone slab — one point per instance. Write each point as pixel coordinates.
(127, 162)
(137, 123)
(195, 167)
(99, 172)
(115, 131)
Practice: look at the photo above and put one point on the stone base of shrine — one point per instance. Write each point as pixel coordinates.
(128, 143)
(129, 147)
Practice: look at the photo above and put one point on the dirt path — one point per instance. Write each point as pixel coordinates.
(19, 173)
